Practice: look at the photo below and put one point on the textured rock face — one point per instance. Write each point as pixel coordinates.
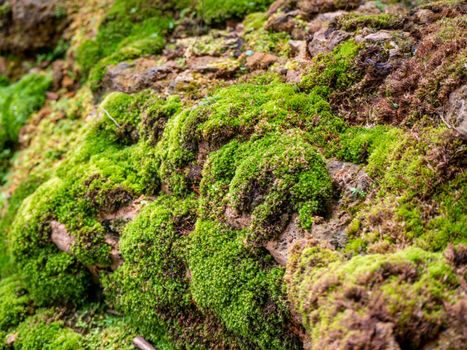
(456, 111)
(30, 25)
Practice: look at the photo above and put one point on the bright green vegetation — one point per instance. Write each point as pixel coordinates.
(36, 333)
(15, 305)
(152, 247)
(238, 286)
(17, 102)
(354, 21)
(218, 11)
(103, 174)
(332, 71)
(259, 39)
(262, 178)
(170, 203)
(130, 29)
(404, 288)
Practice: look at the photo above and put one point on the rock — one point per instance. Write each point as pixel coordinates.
(260, 60)
(138, 75)
(325, 40)
(378, 36)
(311, 8)
(299, 50)
(115, 255)
(278, 5)
(425, 16)
(333, 229)
(280, 248)
(31, 25)
(142, 344)
(11, 339)
(349, 178)
(293, 77)
(60, 236)
(181, 81)
(220, 66)
(282, 22)
(455, 115)
(237, 220)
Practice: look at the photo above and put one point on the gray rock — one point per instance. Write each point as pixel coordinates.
(455, 115)
(30, 25)
(324, 40)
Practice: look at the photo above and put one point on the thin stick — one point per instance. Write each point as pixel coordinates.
(142, 344)
(110, 117)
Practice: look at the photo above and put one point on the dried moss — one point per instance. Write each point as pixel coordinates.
(355, 21)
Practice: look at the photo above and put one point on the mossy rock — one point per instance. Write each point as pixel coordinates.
(38, 333)
(252, 109)
(241, 287)
(355, 21)
(215, 11)
(269, 179)
(17, 102)
(406, 295)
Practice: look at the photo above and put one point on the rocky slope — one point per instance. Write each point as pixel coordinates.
(237, 174)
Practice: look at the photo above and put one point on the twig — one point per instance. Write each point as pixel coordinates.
(110, 117)
(142, 344)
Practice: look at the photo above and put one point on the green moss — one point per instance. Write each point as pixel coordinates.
(410, 179)
(15, 304)
(332, 71)
(101, 175)
(412, 285)
(241, 111)
(17, 102)
(354, 21)
(357, 144)
(268, 178)
(238, 286)
(215, 11)
(151, 287)
(259, 39)
(130, 29)
(37, 333)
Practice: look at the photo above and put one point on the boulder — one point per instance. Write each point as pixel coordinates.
(27, 26)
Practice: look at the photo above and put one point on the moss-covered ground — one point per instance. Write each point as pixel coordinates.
(158, 213)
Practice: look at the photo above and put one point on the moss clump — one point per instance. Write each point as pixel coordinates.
(269, 179)
(215, 11)
(357, 144)
(15, 305)
(37, 333)
(355, 21)
(411, 175)
(151, 246)
(408, 291)
(262, 106)
(259, 39)
(100, 176)
(17, 102)
(241, 287)
(332, 71)
(129, 30)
